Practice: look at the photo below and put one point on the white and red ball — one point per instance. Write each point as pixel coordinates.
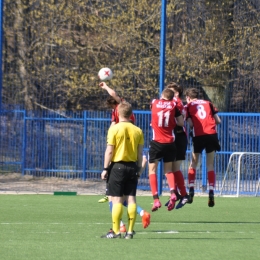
(105, 74)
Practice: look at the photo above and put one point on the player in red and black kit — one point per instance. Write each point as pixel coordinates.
(114, 105)
(181, 142)
(165, 115)
(202, 117)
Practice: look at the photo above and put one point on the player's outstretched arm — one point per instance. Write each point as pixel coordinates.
(110, 91)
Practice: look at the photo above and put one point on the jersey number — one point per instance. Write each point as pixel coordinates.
(161, 116)
(201, 112)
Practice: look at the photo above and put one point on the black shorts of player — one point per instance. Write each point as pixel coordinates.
(165, 152)
(181, 143)
(208, 142)
(123, 179)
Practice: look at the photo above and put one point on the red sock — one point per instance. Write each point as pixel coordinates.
(153, 184)
(170, 180)
(191, 176)
(180, 183)
(211, 179)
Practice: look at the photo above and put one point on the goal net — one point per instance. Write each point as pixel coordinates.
(242, 175)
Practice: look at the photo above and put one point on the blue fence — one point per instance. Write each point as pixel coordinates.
(72, 145)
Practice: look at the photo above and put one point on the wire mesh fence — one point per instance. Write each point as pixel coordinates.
(41, 154)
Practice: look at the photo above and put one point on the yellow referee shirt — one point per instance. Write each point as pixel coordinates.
(125, 137)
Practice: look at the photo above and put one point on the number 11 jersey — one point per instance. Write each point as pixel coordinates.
(163, 120)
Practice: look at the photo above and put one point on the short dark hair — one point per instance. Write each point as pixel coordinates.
(168, 94)
(176, 87)
(192, 93)
(111, 101)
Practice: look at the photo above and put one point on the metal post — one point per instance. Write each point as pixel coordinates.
(162, 76)
(204, 172)
(84, 147)
(24, 142)
(1, 49)
(238, 173)
(162, 45)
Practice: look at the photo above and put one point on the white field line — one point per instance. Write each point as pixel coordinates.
(159, 223)
(139, 233)
(103, 223)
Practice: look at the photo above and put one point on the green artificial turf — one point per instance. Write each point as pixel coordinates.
(69, 227)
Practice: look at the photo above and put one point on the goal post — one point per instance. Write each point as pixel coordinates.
(242, 176)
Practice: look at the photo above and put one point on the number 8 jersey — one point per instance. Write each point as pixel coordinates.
(202, 112)
(163, 120)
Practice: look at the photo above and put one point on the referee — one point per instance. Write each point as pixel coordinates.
(123, 160)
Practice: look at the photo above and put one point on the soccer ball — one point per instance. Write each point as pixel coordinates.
(105, 74)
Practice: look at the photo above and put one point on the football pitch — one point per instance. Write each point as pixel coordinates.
(69, 227)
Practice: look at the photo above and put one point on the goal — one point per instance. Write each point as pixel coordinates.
(242, 176)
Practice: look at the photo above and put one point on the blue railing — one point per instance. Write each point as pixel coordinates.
(72, 145)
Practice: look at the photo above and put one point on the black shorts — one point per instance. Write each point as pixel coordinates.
(158, 151)
(208, 142)
(181, 143)
(122, 179)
